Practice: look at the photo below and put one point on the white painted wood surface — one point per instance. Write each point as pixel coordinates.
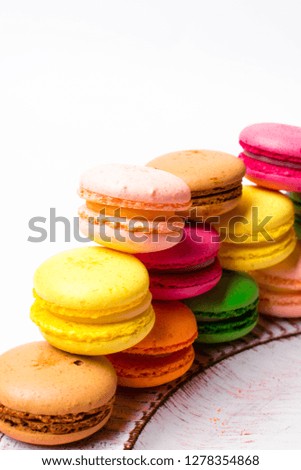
(249, 401)
(244, 394)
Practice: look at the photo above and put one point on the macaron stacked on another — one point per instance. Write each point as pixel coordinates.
(97, 300)
(92, 301)
(228, 311)
(50, 397)
(215, 179)
(132, 208)
(259, 232)
(280, 287)
(187, 269)
(272, 155)
(165, 354)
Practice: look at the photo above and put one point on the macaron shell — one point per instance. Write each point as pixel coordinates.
(263, 204)
(198, 245)
(139, 371)
(273, 139)
(279, 304)
(272, 176)
(92, 339)
(248, 257)
(84, 279)
(126, 242)
(231, 332)
(280, 287)
(228, 311)
(201, 169)
(235, 290)
(131, 184)
(47, 439)
(31, 370)
(285, 276)
(171, 286)
(175, 328)
(50, 397)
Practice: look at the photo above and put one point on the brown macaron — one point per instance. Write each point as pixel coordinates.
(50, 397)
(214, 178)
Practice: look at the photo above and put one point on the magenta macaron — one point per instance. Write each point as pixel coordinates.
(272, 155)
(187, 269)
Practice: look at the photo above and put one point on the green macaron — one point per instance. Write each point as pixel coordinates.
(296, 198)
(228, 311)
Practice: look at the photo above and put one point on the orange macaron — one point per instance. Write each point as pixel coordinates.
(165, 354)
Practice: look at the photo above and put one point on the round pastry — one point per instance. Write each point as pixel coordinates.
(280, 287)
(165, 354)
(132, 208)
(259, 232)
(228, 311)
(272, 155)
(50, 397)
(92, 301)
(215, 179)
(187, 269)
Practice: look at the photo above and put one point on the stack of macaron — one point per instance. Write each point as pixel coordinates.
(272, 155)
(140, 210)
(95, 301)
(225, 307)
(184, 254)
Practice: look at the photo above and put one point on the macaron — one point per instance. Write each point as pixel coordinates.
(272, 155)
(187, 269)
(50, 397)
(162, 356)
(259, 232)
(297, 226)
(214, 178)
(296, 199)
(228, 311)
(92, 301)
(280, 287)
(132, 208)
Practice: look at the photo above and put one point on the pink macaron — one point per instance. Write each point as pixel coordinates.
(187, 269)
(280, 287)
(272, 155)
(132, 208)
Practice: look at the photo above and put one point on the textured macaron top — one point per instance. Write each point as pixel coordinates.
(261, 215)
(202, 170)
(129, 183)
(285, 275)
(235, 290)
(92, 279)
(199, 245)
(272, 140)
(175, 328)
(39, 379)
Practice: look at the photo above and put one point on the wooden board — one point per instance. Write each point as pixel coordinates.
(134, 408)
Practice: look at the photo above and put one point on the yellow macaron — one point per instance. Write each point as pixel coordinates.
(259, 232)
(92, 301)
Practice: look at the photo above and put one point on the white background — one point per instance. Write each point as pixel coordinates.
(87, 82)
